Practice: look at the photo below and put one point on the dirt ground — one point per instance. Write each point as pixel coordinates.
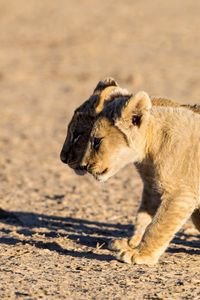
(55, 226)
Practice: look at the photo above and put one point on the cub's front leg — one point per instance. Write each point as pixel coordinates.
(171, 215)
(149, 205)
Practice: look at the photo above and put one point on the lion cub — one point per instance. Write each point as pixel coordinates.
(166, 142)
(77, 138)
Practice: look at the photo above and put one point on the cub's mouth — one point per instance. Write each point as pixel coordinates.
(103, 172)
(97, 175)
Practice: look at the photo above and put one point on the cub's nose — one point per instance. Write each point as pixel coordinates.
(84, 167)
(64, 157)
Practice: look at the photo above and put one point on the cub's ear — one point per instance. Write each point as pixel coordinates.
(137, 108)
(103, 97)
(108, 81)
(103, 89)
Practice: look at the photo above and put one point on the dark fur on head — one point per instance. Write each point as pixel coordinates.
(80, 126)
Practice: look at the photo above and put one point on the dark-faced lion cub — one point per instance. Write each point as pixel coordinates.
(75, 145)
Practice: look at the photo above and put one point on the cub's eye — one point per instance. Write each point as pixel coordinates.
(96, 143)
(136, 120)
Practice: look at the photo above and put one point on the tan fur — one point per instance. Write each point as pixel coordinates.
(104, 95)
(164, 145)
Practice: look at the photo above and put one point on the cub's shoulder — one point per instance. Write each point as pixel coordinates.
(161, 101)
(165, 102)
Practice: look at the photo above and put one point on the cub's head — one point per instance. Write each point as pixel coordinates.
(118, 136)
(81, 124)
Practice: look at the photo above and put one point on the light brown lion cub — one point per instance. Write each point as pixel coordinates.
(77, 138)
(166, 142)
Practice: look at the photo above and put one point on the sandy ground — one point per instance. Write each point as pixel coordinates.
(52, 54)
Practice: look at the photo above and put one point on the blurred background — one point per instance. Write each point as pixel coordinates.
(52, 54)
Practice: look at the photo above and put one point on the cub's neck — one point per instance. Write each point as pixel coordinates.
(170, 131)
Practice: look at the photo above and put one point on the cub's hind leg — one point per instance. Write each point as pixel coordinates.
(149, 205)
(196, 218)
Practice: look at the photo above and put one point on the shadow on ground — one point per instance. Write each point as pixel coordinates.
(83, 232)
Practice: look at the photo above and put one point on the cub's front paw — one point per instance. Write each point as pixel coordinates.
(123, 244)
(119, 244)
(127, 256)
(133, 256)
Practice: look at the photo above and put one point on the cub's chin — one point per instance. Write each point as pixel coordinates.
(104, 176)
(101, 178)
